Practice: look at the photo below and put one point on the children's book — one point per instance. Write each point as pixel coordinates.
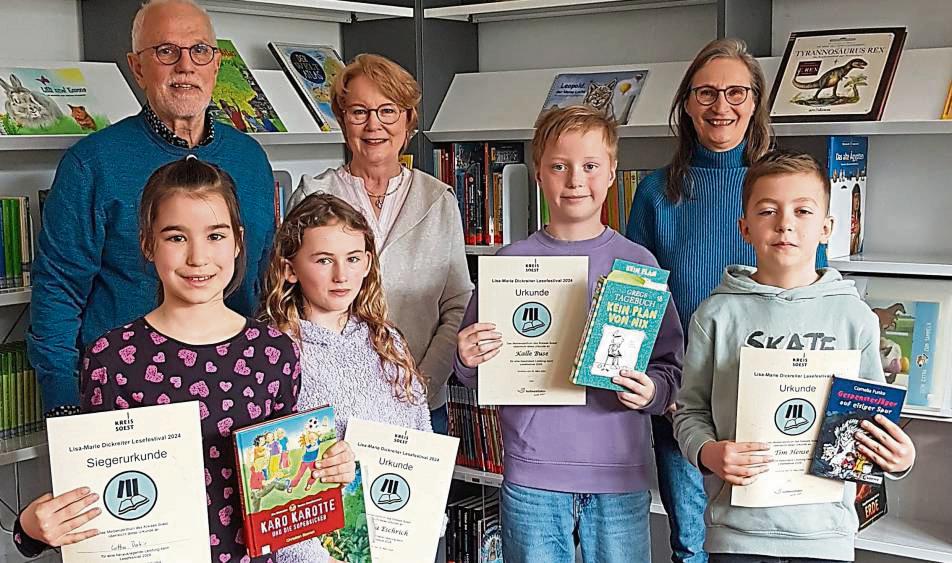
(623, 323)
(238, 100)
(47, 101)
(351, 543)
(282, 499)
(870, 503)
(611, 92)
(947, 108)
(312, 69)
(851, 401)
(847, 169)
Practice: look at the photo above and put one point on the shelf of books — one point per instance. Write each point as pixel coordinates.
(525, 9)
(503, 105)
(894, 264)
(325, 10)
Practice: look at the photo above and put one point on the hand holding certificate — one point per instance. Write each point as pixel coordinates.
(407, 476)
(779, 396)
(538, 305)
(145, 469)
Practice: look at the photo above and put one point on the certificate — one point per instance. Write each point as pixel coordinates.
(407, 476)
(539, 304)
(146, 465)
(780, 400)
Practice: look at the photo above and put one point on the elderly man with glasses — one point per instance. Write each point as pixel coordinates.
(88, 276)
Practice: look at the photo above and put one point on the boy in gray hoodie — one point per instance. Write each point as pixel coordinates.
(784, 303)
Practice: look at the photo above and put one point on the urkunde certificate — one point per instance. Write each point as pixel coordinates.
(539, 304)
(146, 465)
(781, 396)
(407, 476)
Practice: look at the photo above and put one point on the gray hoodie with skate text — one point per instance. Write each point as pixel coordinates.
(826, 315)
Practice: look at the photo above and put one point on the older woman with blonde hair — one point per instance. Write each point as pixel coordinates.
(414, 216)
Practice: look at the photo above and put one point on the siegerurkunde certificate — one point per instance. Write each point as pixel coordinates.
(781, 396)
(146, 465)
(539, 304)
(407, 476)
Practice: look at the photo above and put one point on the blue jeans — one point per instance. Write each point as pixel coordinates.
(539, 525)
(738, 558)
(682, 494)
(439, 420)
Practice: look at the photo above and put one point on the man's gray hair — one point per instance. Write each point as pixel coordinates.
(140, 16)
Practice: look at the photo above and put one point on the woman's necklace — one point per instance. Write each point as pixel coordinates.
(375, 198)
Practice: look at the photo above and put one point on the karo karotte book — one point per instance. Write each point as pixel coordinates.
(238, 100)
(836, 75)
(623, 323)
(613, 93)
(282, 499)
(48, 101)
(851, 402)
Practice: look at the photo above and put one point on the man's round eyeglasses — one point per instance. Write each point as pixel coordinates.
(388, 114)
(169, 53)
(707, 95)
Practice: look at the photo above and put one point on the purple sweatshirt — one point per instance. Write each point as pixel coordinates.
(601, 447)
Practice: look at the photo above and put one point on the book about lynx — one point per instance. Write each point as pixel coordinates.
(238, 100)
(623, 323)
(850, 403)
(312, 69)
(283, 501)
(613, 93)
(836, 75)
(47, 101)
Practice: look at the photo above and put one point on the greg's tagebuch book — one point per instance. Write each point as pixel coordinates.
(282, 498)
(623, 323)
(852, 401)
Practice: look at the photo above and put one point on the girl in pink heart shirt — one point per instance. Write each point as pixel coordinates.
(191, 348)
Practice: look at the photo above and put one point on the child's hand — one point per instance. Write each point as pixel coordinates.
(52, 520)
(641, 387)
(477, 343)
(737, 463)
(887, 445)
(337, 465)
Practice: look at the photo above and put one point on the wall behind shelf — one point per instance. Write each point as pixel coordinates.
(655, 35)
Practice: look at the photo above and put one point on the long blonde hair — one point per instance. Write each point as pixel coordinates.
(283, 301)
(758, 135)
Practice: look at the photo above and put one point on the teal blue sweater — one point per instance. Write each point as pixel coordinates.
(698, 238)
(89, 275)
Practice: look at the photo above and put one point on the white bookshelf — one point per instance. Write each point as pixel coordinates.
(527, 9)
(894, 264)
(482, 250)
(339, 11)
(503, 105)
(912, 539)
(15, 296)
(22, 448)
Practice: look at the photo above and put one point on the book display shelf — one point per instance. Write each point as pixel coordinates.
(472, 94)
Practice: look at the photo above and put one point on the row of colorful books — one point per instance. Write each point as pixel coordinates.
(475, 170)
(473, 533)
(478, 430)
(16, 242)
(21, 410)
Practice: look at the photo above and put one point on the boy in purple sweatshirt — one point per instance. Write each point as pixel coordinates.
(578, 469)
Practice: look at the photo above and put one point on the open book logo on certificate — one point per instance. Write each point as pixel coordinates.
(531, 319)
(130, 495)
